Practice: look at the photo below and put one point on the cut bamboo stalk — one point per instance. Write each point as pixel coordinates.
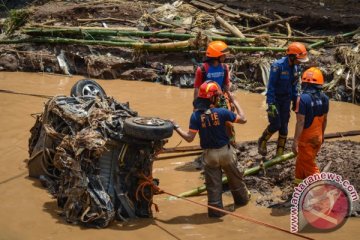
(290, 38)
(108, 19)
(272, 23)
(84, 28)
(114, 32)
(234, 30)
(173, 46)
(322, 42)
(256, 49)
(248, 172)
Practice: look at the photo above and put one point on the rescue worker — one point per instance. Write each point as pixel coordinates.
(214, 69)
(311, 118)
(281, 90)
(218, 153)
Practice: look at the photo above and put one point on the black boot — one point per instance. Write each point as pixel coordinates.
(262, 148)
(212, 213)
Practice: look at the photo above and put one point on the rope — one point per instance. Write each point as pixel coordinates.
(148, 182)
(26, 94)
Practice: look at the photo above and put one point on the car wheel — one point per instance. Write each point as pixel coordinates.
(87, 87)
(148, 128)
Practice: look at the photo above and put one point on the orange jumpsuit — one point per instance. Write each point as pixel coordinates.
(309, 145)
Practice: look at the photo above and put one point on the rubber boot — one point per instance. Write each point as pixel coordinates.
(281, 145)
(241, 197)
(262, 148)
(212, 213)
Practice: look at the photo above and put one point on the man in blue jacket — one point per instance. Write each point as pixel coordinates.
(219, 154)
(281, 90)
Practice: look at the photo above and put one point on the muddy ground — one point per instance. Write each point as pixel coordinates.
(103, 62)
(342, 154)
(275, 185)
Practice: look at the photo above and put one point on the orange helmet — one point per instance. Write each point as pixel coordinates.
(209, 89)
(313, 75)
(216, 49)
(299, 50)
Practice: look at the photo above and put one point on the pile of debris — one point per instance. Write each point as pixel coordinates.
(165, 42)
(95, 155)
(275, 184)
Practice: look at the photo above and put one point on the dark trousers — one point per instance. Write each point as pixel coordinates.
(280, 122)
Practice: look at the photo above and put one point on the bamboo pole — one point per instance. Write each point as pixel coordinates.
(322, 42)
(178, 156)
(176, 36)
(172, 46)
(108, 19)
(111, 32)
(83, 28)
(255, 49)
(248, 172)
(270, 24)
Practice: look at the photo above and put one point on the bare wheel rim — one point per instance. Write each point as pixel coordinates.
(90, 90)
(149, 121)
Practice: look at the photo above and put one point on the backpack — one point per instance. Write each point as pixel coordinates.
(205, 69)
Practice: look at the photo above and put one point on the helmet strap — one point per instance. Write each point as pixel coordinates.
(292, 58)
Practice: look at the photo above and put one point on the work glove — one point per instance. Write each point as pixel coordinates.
(272, 110)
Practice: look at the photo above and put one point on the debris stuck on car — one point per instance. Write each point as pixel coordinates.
(94, 155)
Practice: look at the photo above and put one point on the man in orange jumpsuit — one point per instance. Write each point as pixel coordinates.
(311, 118)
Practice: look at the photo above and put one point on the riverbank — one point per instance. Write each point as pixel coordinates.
(111, 56)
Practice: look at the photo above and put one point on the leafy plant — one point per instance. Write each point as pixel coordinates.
(16, 19)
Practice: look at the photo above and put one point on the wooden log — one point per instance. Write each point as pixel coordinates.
(269, 24)
(234, 30)
(228, 11)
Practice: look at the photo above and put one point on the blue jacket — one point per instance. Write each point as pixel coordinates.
(282, 85)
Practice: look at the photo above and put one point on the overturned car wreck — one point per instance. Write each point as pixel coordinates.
(95, 155)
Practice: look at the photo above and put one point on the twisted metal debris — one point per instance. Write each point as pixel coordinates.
(93, 170)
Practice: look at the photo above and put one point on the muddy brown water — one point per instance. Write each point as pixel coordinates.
(28, 211)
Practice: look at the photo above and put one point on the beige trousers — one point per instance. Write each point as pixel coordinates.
(224, 159)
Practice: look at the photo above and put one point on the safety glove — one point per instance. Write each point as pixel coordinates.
(272, 110)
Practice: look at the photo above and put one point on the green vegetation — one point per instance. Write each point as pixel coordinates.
(16, 19)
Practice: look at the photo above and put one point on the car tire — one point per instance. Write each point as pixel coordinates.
(87, 87)
(148, 128)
